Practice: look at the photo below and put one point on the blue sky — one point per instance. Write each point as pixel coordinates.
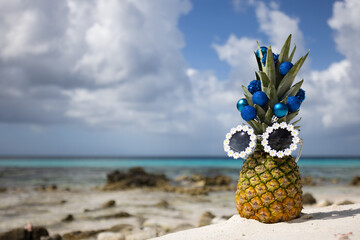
(163, 77)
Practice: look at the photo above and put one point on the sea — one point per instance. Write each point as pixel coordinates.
(80, 172)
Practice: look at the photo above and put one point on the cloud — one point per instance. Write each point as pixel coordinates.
(277, 26)
(338, 86)
(101, 62)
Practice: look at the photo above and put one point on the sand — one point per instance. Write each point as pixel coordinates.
(333, 222)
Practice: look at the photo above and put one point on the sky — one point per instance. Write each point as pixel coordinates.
(162, 77)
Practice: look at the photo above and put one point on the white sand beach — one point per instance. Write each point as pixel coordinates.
(333, 222)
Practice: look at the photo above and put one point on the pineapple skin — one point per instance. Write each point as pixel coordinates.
(269, 188)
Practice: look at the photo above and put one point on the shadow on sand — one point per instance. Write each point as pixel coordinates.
(326, 215)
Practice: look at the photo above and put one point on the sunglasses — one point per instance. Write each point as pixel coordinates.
(279, 140)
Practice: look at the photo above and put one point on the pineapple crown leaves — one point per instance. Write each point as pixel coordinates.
(276, 86)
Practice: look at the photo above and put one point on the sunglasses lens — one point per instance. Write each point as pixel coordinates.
(239, 141)
(280, 139)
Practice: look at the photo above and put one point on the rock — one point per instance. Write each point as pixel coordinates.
(123, 228)
(134, 178)
(334, 181)
(109, 204)
(219, 180)
(78, 235)
(110, 236)
(143, 235)
(206, 218)
(63, 201)
(3, 189)
(308, 199)
(114, 215)
(307, 181)
(325, 203)
(22, 234)
(162, 204)
(182, 227)
(346, 202)
(355, 181)
(54, 237)
(181, 178)
(68, 218)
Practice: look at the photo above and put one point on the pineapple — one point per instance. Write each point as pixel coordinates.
(269, 188)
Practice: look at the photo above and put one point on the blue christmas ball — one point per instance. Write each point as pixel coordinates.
(280, 110)
(241, 103)
(263, 50)
(285, 68)
(259, 98)
(248, 113)
(293, 104)
(275, 56)
(300, 95)
(254, 86)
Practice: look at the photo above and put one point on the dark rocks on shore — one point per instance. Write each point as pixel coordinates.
(109, 204)
(162, 204)
(308, 199)
(79, 235)
(134, 178)
(47, 188)
(206, 218)
(3, 189)
(54, 237)
(22, 234)
(123, 228)
(346, 202)
(307, 181)
(68, 218)
(114, 215)
(355, 181)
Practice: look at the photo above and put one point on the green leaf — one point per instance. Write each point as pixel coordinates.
(289, 78)
(264, 126)
(291, 116)
(258, 62)
(270, 66)
(284, 53)
(297, 127)
(257, 77)
(292, 54)
(282, 119)
(260, 112)
(248, 95)
(268, 116)
(256, 126)
(259, 48)
(264, 81)
(294, 89)
(284, 100)
(273, 99)
(295, 122)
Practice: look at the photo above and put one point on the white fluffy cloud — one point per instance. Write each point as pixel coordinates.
(277, 26)
(338, 85)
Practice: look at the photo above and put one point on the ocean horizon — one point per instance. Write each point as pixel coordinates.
(92, 171)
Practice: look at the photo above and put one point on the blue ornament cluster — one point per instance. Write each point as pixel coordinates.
(254, 86)
(263, 51)
(260, 98)
(276, 58)
(293, 104)
(280, 110)
(300, 95)
(248, 113)
(285, 67)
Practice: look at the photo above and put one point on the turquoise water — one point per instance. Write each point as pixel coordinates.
(80, 172)
(164, 162)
